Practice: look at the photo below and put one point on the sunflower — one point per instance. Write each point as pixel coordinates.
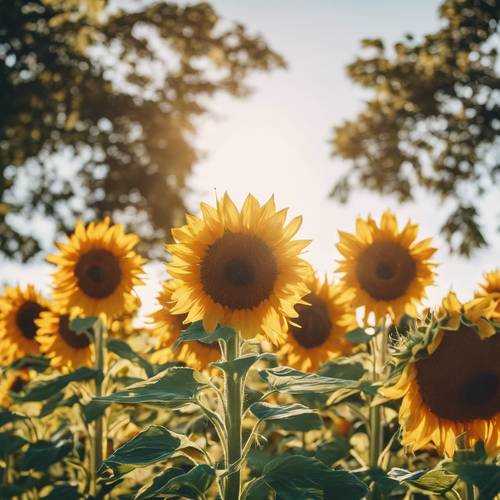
(13, 381)
(491, 286)
(18, 311)
(65, 348)
(122, 326)
(197, 355)
(384, 267)
(239, 268)
(97, 269)
(317, 334)
(449, 378)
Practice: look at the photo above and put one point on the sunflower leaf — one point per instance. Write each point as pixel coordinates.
(10, 443)
(293, 417)
(288, 380)
(155, 444)
(195, 331)
(122, 349)
(6, 417)
(45, 389)
(485, 476)
(173, 388)
(240, 366)
(358, 336)
(37, 363)
(299, 477)
(83, 325)
(42, 454)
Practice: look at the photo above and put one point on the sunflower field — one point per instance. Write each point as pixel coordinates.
(255, 378)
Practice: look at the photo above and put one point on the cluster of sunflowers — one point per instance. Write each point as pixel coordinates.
(337, 359)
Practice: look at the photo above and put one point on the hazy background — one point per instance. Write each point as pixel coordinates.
(276, 141)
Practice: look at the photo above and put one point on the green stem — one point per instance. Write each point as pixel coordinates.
(234, 406)
(469, 491)
(97, 448)
(376, 421)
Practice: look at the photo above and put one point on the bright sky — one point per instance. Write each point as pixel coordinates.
(277, 140)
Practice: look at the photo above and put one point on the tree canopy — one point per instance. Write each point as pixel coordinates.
(98, 109)
(433, 120)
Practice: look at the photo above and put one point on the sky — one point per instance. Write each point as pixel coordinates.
(276, 141)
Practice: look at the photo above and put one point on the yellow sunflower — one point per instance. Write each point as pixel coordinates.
(97, 269)
(197, 355)
(318, 333)
(12, 381)
(239, 268)
(18, 311)
(491, 286)
(122, 326)
(65, 348)
(384, 267)
(448, 375)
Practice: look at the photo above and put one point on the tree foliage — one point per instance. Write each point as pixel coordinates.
(433, 120)
(98, 110)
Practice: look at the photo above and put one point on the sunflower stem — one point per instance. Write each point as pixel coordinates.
(469, 491)
(97, 449)
(234, 407)
(376, 420)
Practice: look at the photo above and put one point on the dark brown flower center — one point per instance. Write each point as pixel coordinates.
(385, 270)
(314, 321)
(239, 271)
(73, 339)
(461, 379)
(26, 316)
(18, 384)
(98, 273)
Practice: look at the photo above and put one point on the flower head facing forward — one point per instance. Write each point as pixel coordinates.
(19, 309)
(385, 268)
(97, 269)
(449, 378)
(318, 333)
(239, 268)
(66, 348)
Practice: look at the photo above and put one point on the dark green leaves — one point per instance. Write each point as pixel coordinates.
(195, 331)
(155, 444)
(174, 481)
(485, 476)
(122, 349)
(358, 336)
(10, 443)
(173, 388)
(294, 417)
(435, 481)
(296, 477)
(240, 366)
(42, 454)
(292, 381)
(42, 390)
(6, 417)
(84, 326)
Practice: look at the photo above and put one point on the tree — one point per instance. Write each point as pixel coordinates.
(433, 120)
(98, 109)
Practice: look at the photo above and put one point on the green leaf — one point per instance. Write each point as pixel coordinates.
(42, 454)
(290, 381)
(485, 476)
(93, 409)
(42, 390)
(122, 349)
(195, 331)
(438, 481)
(152, 445)
(10, 443)
(240, 366)
(37, 363)
(300, 477)
(58, 402)
(358, 336)
(193, 484)
(258, 489)
(293, 417)
(154, 487)
(63, 491)
(83, 326)
(6, 417)
(331, 452)
(171, 388)
(342, 368)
